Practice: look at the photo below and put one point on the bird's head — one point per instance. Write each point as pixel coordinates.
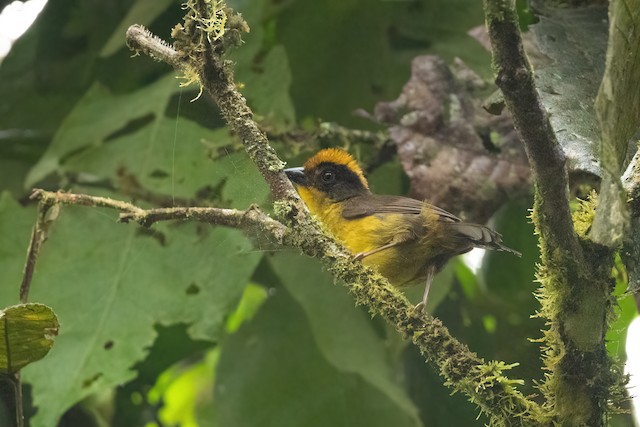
(331, 172)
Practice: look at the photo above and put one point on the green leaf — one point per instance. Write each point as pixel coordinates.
(46, 70)
(574, 43)
(277, 370)
(98, 115)
(27, 332)
(351, 54)
(438, 407)
(171, 159)
(118, 285)
(267, 91)
(251, 301)
(510, 298)
(52, 66)
(185, 389)
(167, 155)
(343, 334)
(172, 346)
(625, 312)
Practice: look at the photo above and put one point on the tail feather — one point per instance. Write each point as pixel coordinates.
(481, 236)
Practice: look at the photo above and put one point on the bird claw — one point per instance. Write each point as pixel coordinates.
(359, 256)
(420, 307)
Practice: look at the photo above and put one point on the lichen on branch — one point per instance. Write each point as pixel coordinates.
(484, 383)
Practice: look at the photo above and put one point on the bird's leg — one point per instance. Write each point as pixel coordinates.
(362, 255)
(431, 271)
(397, 240)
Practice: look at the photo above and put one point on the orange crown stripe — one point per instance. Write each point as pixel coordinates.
(336, 156)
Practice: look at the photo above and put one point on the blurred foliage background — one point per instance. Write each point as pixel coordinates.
(190, 325)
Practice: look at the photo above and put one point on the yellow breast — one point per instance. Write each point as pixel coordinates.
(400, 265)
(358, 235)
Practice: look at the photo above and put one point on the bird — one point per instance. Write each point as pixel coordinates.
(404, 239)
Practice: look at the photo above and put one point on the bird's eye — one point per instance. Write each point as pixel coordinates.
(328, 177)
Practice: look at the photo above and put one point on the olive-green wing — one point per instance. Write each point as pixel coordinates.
(372, 204)
(474, 234)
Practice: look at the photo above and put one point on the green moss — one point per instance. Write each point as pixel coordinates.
(584, 214)
(575, 297)
(205, 24)
(283, 208)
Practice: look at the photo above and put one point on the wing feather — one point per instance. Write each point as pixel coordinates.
(372, 204)
(475, 234)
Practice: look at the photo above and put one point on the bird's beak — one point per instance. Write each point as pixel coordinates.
(297, 176)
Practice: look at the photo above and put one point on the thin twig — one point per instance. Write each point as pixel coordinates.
(17, 392)
(82, 200)
(248, 220)
(47, 214)
(139, 39)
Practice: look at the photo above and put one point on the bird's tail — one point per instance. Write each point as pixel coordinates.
(481, 236)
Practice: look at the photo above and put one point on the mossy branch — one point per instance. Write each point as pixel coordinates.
(514, 77)
(253, 220)
(201, 58)
(575, 273)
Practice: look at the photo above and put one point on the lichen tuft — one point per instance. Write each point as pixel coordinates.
(584, 214)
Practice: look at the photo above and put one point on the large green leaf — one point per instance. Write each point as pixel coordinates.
(100, 114)
(172, 345)
(110, 285)
(343, 334)
(98, 141)
(506, 308)
(176, 152)
(48, 70)
(51, 65)
(104, 116)
(27, 332)
(349, 54)
(185, 390)
(267, 90)
(281, 370)
(437, 406)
